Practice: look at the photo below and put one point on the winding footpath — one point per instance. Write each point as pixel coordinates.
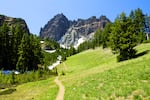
(61, 92)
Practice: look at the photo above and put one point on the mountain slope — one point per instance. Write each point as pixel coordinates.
(95, 74)
(39, 90)
(55, 28)
(69, 32)
(83, 29)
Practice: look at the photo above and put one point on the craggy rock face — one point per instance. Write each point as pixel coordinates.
(55, 28)
(68, 32)
(13, 22)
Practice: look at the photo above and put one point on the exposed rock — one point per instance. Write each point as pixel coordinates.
(83, 29)
(69, 32)
(55, 28)
(13, 22)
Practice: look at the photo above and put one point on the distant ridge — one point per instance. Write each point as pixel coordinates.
(68, 32)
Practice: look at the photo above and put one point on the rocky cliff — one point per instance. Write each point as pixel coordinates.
(55, 28)
(68, 33)
(13, 22)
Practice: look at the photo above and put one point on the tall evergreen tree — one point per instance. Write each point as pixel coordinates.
(137, 17)
(98, 37)
(35, 52)
(23, 52)
(18, 49)
(16, 37)
(147, 26)
(124, 37)
(4, 53)
(106, 35)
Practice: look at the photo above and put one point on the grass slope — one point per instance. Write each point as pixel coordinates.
(40, 90)
(95, 75)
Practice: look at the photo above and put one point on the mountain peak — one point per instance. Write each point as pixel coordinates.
(55, 28)
(60, 16)
(68, 32)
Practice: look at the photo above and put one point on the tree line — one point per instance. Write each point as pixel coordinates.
(22, 51)
(121, 36)
(19, 50)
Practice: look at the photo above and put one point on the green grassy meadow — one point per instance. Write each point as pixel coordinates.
(39, 90)
(93, 75)
(96, 75)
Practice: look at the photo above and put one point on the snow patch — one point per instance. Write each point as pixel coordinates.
(41, 42)
(80, 41)
(50, 51)
(56, 63)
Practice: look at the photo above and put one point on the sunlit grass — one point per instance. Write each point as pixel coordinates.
(95, 75)
(40, 90)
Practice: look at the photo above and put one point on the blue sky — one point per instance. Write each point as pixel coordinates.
(38, 12)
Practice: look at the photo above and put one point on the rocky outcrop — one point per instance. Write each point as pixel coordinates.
(55, 28)
(68, 32)
(83, 29)
(13, 22)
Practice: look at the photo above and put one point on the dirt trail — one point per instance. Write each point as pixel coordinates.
(61, 92)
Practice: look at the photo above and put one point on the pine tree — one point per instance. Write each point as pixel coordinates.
(4, 53)
(16, 37)
(1, 48)
(23, 52)
(106, 35)
(137, 17)
(123, 38)
(18, 50)
(35, 53)
(98, 37)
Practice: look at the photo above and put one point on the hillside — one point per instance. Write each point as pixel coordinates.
(95, 75)
(40, 90)
(13, 22)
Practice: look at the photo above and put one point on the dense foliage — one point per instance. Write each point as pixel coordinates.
(126, 33)
(19, 50)
(30, 76)
(51, 44)
(49, 58)
(123, 38)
